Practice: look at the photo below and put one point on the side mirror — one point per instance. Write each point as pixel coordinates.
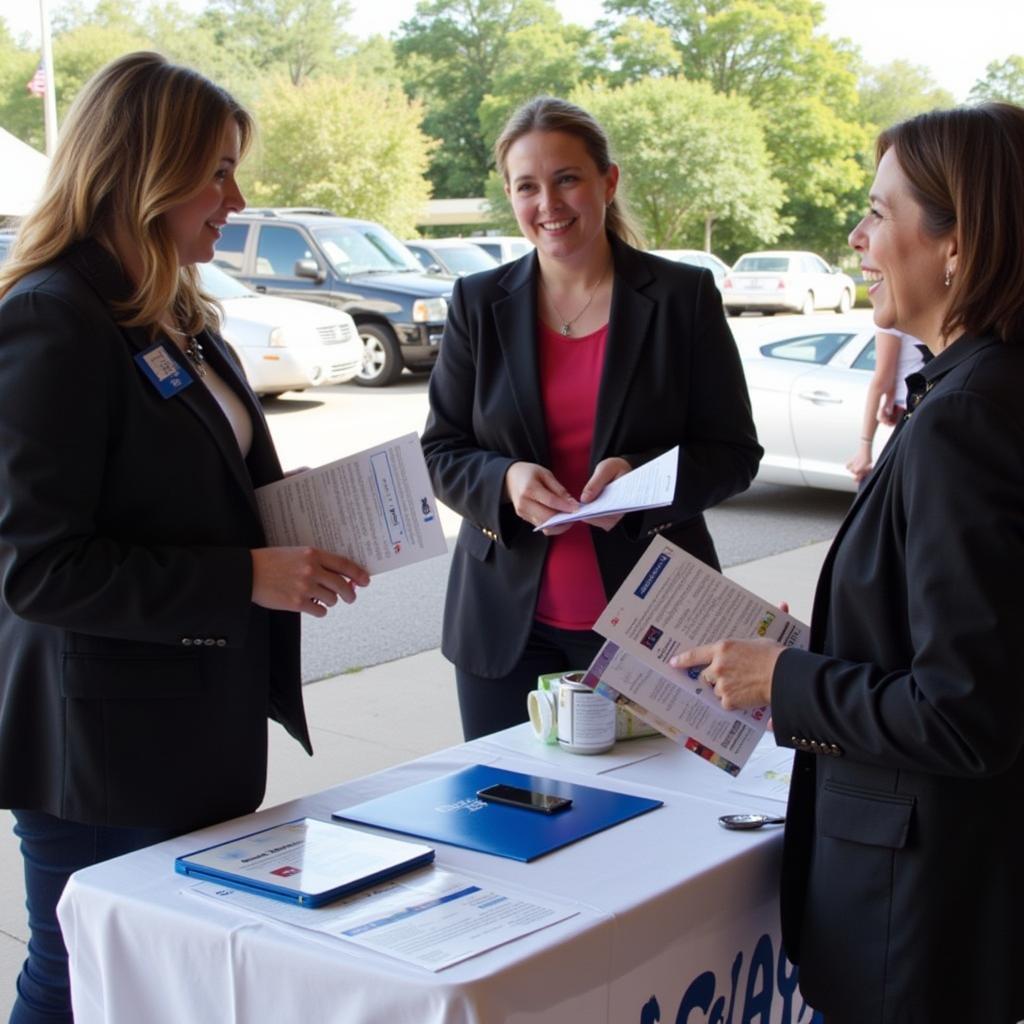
(310, 269)
(435, 268)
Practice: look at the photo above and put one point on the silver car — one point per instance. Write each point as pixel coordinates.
(455, 257)
(284, 344)
(800, 282)
(697, 258)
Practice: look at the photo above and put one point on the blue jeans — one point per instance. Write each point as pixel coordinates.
(52, 849)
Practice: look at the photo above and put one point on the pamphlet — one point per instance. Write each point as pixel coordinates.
(375, 507)
(432, 918)
(670, 603)
(652, 485)
(307, 862)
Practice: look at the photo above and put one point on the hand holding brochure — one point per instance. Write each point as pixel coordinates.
(308, 862)
(375, 507)
(669, 603)
(652, 485)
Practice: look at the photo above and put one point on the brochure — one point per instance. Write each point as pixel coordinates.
(432, 919)
(652, 485)
(448, 810)
(375, 507)
(669, 603)
(306, 861)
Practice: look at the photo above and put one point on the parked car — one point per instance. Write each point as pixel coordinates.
(766, 282)
(504, 248)
(6, 241)
(282, 344)
(353, 265)
(697, 258)
(455, 257)
(808, 396)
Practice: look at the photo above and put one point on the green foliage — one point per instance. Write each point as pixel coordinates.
(1003, 80)
(353, 147)
(689, 157)
(639, 49)
(893, 92)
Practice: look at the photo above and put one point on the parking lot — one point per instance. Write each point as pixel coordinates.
(400, 613)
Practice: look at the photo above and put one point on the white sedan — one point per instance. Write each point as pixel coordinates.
(284, 344)
(808, 394)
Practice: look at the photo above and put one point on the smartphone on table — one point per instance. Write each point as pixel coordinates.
(545, 803)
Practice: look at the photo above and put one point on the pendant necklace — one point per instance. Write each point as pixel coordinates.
(194, 352)
(566, 328)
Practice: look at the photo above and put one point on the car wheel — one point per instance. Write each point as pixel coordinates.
(807, 309)
(732, 311)
(382, 363)
(845, 301)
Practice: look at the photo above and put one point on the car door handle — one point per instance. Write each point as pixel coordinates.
(820, 398)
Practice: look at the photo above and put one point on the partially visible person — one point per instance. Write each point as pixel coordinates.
(146, 630)
(897, 355)
(902, 890)
(557, 375)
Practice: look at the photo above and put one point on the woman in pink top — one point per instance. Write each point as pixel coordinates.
(557, 374)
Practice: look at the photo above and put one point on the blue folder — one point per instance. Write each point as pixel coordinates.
(448, 810)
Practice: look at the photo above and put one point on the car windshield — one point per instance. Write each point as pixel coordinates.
(365, 250)
(762, 264)
(220, 285)
(466, 259)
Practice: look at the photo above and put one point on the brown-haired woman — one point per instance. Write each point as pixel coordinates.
(557, 375)
(902, 890)
(145, 628)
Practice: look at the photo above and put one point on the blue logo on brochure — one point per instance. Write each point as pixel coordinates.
(652, 575)
(162, 371)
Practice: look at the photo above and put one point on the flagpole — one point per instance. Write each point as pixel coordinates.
(50, 98)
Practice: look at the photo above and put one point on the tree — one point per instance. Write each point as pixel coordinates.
(300, 37)
(690, 158)
(353, 147)
(802, 84)
(893, 92)
(450, 52)
(1003, 80)
(640, 48)
(20, 112)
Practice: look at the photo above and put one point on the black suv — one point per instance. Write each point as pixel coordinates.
(355, 265)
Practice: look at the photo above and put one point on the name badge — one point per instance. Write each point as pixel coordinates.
(162, 371)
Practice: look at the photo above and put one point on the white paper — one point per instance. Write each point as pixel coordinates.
(767, 774)
(375, 507)
(652, 485)
(432, 918)
(669, 603)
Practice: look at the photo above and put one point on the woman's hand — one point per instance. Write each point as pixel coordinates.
(604, 473)
(739, 671)
(304, 579)
(860, 465)
(536, 495)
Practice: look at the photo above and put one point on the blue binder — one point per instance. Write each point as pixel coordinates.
(448, 810)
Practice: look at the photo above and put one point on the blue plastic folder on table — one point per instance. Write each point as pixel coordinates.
(448, 810)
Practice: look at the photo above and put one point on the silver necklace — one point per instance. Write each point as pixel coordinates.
(566, 328)
(194, 352)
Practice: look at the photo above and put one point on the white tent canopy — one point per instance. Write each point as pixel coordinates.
(22, 172)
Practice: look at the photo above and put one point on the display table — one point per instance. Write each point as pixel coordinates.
(677, 919)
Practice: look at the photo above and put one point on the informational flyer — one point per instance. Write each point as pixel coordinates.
(652, 485)
(375, 507)
(433, 918)
(670, 603)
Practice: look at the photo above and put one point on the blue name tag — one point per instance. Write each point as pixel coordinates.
(162, 371)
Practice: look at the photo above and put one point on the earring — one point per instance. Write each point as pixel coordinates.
(949, 277)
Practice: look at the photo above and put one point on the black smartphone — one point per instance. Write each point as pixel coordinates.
(525, 798)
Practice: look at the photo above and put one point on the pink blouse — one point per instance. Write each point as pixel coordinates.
(571, 592)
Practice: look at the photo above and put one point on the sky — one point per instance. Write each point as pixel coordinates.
(953, 39)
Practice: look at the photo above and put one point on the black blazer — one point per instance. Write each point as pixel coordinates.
(903, 891)
(136, 675)
(672, 376)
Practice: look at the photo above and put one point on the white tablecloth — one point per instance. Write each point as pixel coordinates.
(677, 920)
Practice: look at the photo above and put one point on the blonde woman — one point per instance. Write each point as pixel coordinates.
(146, 631)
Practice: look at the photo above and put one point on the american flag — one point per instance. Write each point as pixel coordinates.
(37, 83)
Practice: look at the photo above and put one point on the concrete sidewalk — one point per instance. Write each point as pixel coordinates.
(366, 721)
